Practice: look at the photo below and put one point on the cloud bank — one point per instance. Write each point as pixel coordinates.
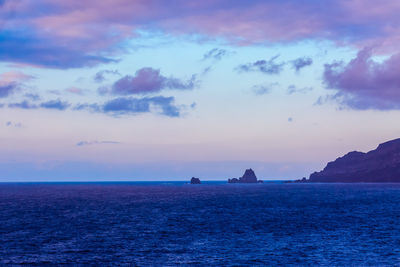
(70, 34)
(115, 107)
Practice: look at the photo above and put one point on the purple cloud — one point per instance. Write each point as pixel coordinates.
(149, 80)
(364, 83)
(265, 66)
(301, 62)
(67, 34)
(12, 81)
(8, 89)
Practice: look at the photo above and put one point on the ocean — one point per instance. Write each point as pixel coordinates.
(214, 224)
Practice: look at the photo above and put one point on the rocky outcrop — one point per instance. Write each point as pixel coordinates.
(233, 180)
(248, 177)
(195, 180)
(381, 165)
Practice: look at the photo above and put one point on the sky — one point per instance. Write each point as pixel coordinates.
(155, 90)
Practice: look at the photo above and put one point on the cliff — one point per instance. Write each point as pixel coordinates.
(379, 165)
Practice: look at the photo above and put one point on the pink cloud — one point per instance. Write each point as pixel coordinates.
(14, 76)
(75, 90)
(12, 81)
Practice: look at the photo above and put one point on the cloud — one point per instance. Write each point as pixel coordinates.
(263, 89)
(13, 124)
(206, 70)
(364, 83)
(33, 97)
(265, 66)
(87, 143)
(130, 105)
(67, 34)
(40, 50)
(100, 76)
(8, 89)
(52, 104)
(54, 92)
(23, 105)
(11, 82)
(216, 54)
(15, 76)
(90, 107)
(115, 107)
(55, 104)
(149, 80)
(292, 89)
(75, 90)
(301, 62)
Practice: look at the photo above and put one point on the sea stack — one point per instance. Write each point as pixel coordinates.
(248, 177)
(195, 180)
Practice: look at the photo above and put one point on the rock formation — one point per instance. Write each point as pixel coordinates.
(195, 180)
(248, 177)
(379, 165)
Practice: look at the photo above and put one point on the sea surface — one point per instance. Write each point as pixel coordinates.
(214, 224)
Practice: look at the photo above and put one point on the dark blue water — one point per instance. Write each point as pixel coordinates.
(216, 224)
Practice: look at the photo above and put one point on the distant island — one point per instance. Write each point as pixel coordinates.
(381, 165)
(248, 177)
(195, 180)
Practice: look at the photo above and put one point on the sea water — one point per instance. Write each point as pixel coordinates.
(216, 224)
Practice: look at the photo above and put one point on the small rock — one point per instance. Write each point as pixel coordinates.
(195, 180)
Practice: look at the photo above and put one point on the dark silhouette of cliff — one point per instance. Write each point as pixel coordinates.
(195, 180)
(381, 165)
(248, 177)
